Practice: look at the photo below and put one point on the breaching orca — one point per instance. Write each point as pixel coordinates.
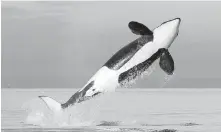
(128, 62)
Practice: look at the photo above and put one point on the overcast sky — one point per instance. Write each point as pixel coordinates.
(62, 44)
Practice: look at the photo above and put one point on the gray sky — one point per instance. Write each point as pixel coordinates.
(62, 44)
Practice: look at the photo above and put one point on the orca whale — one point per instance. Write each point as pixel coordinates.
(128, 63)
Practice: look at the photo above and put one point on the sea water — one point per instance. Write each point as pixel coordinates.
(142, 110)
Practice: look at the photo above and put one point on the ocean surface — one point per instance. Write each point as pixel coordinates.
(126, 110)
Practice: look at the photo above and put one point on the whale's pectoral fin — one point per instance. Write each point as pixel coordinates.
(139, 29)
(166, 62)
(53, 105)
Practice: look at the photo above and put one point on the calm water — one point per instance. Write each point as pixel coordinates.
(142, 110)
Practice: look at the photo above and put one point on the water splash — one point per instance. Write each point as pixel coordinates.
(167, 78)
(83, 114)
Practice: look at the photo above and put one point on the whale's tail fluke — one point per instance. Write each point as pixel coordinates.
(53, 105)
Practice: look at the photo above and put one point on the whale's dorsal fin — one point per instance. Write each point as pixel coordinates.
(139, 29)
